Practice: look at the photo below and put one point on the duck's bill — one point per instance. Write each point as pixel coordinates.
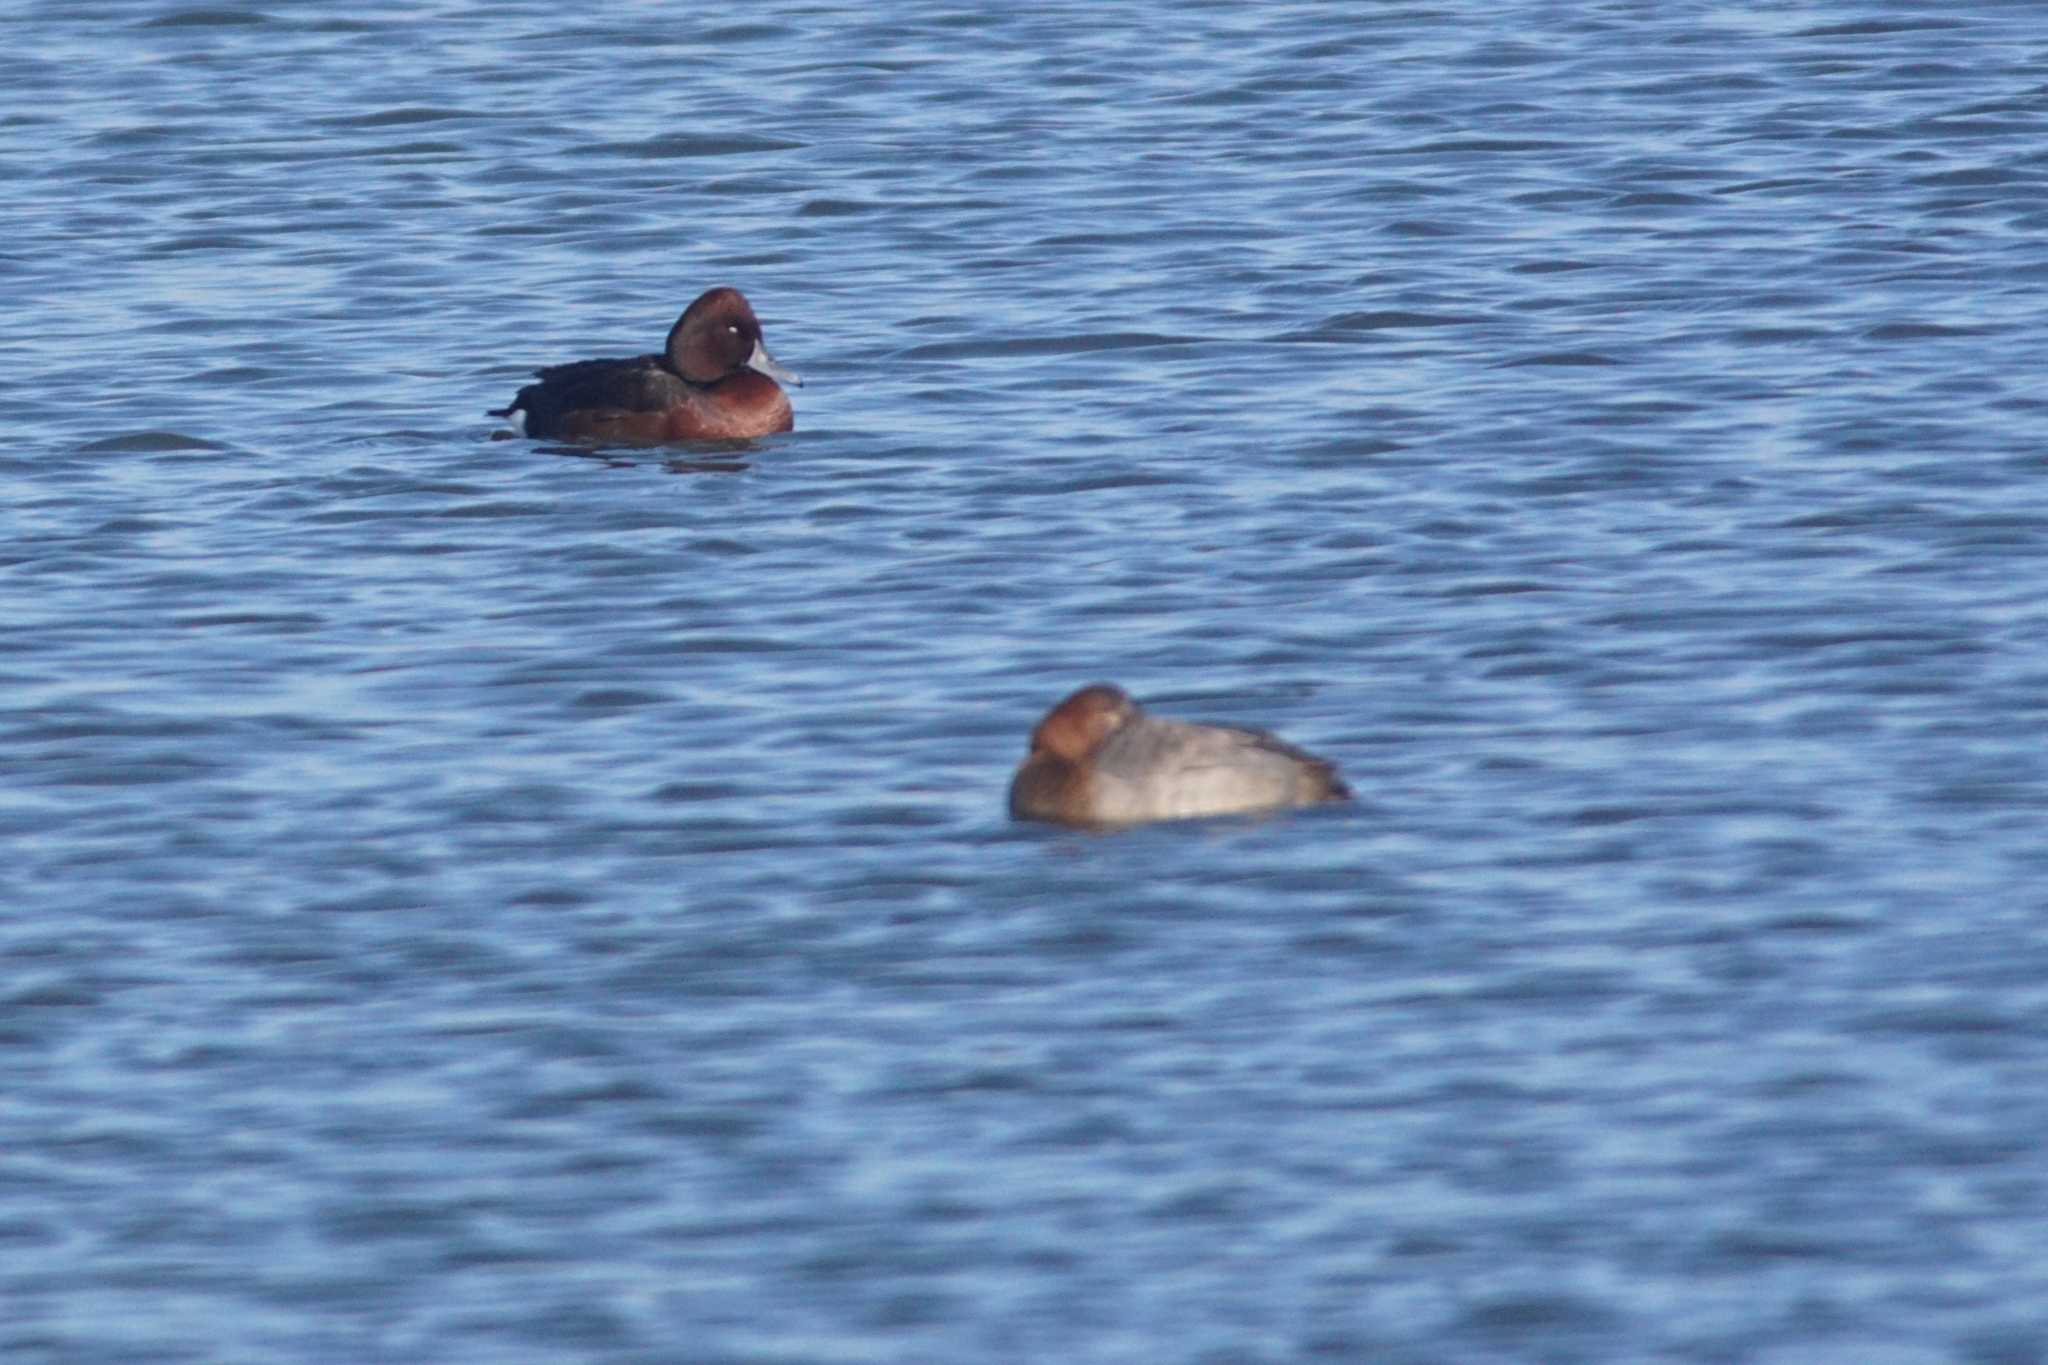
(763, 363)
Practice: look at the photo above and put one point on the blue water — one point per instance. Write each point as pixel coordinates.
(468, 900)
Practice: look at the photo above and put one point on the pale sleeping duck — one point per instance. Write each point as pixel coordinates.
(1098, 759)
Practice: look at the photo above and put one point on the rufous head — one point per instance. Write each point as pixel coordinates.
(1077, 726)
(719, 336)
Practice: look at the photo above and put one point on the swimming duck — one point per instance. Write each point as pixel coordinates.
(713, 381)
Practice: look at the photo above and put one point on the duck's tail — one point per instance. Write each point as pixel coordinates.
(517, 404)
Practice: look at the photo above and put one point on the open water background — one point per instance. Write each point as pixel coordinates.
(466, 901)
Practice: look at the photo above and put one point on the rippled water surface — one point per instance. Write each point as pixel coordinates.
(473, 900)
